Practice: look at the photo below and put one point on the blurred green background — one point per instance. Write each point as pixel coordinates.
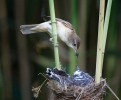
(22, 57)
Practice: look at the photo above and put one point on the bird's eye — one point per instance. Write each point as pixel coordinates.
(74, 44)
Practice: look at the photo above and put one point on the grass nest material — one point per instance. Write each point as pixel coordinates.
(81, 86)
(91, 91)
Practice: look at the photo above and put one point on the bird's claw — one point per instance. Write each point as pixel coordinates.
(56, 45)
(51, 39)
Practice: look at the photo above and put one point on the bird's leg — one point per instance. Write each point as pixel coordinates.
(56, 45)
(51, 39)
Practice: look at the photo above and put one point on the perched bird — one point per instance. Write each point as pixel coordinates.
(64, 30)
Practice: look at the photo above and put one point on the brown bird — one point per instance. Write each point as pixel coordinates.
(64, 30)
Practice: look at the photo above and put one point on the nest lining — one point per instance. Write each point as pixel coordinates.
(92, 91)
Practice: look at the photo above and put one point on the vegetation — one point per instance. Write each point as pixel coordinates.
(53, 21)
(22, 57)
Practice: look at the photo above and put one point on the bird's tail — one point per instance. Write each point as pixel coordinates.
(26, 29)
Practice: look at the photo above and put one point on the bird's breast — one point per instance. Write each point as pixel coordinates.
(63, 34)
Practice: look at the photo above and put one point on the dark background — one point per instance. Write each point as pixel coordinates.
(22, 57)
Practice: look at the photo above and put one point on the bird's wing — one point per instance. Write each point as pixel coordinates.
(46, 18)
(65, 23)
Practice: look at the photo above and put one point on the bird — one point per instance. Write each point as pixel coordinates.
(65, 31)
(60, 76)
(81, 78)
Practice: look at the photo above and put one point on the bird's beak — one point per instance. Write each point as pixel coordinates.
(76, 51)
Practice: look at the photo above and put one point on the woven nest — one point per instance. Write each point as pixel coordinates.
(81, 86)
(92, 91)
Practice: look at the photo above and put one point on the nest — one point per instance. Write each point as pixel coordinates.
(81, 86)
(91, 91)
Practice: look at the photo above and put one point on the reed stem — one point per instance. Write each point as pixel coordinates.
(99, 45)
(107, 17)
(56, 53)
(102, 36)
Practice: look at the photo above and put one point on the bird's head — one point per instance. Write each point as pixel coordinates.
(75, 44)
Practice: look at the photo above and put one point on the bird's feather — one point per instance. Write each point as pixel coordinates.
(64, 30)
(65, 23)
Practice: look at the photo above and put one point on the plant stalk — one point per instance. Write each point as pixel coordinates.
(52, 14)
(99, 45)
(107, 17)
